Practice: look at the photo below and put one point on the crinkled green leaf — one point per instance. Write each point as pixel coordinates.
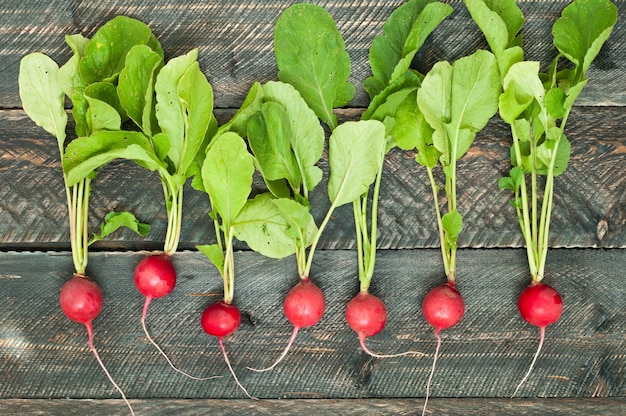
(250, 106)
(86, 154)
(105, 54)
(307, 135)
(458, 100)
(405, 31)
(41, 94)
(356, 152)
(385, 102)
(116, 220)
(136, 87)
(311, 56)
(269, 136)
(303, 227)
(169, 109)
(196, 96)
(227, 176)
(264, 228)
(68, 73)
(582, 29)
(104, 111)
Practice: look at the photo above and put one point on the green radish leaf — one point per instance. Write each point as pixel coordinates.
(522, 87)
(269, 138)
(169, 109)
(383, 103)
(105, 54)
(86, 154)
(227, 176)
(41, 94)
(311, 56)
(215, 254)
(356, 152)
(545, 153)
(582, 29)
(554, 102)
(458, 100)
(499, 20)
(405, 31)
(303, 227)
(263, 227)
(452, 223)
(196, 96)
(250, 106)
(104, 111)
(68, 73)
(116, 220)
(136, 87)
(307, 135)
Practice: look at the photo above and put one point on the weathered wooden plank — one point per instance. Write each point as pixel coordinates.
(235, 39)
(44, 355)
(589, 207)
(346, 407)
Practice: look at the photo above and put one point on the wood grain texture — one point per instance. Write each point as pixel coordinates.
(44, 355)
(344, 407)
(235, 39)
(589, 203)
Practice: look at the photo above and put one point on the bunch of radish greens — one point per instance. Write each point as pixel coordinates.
(537, 106)
(90, 80)
(315, 62)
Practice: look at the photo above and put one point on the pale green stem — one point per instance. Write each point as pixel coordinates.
(356, 208)
(369, 272)
(174, 222)
(444, 251)
(307, 268)
(229, 268)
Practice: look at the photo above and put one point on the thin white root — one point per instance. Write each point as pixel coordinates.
(285, 351)
(221, 339)
(145, 330)
(432, 371)
(542, 334)
(95, 353)
(373, 354)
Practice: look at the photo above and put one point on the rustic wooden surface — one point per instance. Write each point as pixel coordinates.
(582, 368)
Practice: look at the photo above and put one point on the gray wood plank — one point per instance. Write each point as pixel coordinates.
(235, 39)
(44, 355)
(345, 407)
(589, 202)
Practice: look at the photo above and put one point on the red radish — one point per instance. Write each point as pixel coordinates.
(304, 306)
(155, 277)
(366, 315)
(540, 305)
(81, 301)
(443, 307)
(220, 320)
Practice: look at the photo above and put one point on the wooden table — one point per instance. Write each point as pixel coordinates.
(47, 367)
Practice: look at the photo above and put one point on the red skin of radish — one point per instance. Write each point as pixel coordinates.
(81, 299)
(366, 314)
(540, 305)
(304, 304)
(220, 319)
(443, 307)
(155, 276)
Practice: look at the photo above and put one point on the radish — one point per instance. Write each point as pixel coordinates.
(220, 320)
(366, 315)
(539, 305)
(446, 138)
(155, 277)
(537, 106)
(443, 307)
(81, 301)
(304, 306)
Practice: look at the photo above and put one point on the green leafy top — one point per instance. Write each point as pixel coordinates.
(537, 106)
(406, 31)
(303, 33)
